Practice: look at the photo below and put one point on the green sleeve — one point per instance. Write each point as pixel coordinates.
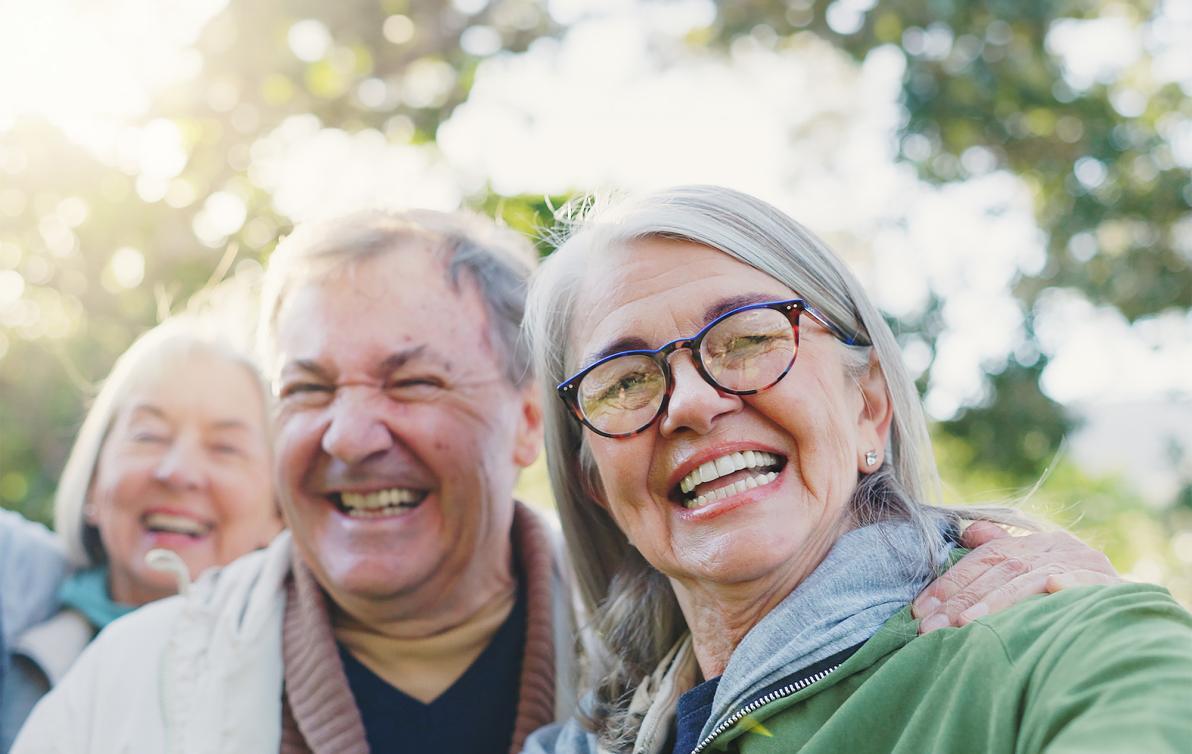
(1116, 676)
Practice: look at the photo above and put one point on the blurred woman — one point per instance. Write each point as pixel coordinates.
(743, 472)
(173, 455)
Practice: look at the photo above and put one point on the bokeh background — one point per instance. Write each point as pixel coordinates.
(1010, 179)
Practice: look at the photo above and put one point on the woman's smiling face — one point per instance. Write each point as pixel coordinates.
(801, 442)
(186, 467)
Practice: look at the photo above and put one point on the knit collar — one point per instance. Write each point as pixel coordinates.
(319, 713)
(87, 592)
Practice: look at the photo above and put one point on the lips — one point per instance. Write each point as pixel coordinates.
(728, 474)
(378, 503)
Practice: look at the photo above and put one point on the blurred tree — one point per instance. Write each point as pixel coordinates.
(92, 244)
(984, 88)
(92, 252)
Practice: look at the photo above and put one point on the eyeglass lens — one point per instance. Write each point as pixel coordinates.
(745, 352)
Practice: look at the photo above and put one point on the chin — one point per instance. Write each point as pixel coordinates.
(375, 580)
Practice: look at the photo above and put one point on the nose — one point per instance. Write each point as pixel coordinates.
(355, 431)
(694, 403)
(182, 465)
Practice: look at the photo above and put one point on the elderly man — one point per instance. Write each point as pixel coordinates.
(413, 606)
(416, 605)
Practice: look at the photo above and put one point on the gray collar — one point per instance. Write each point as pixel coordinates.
(868, 575)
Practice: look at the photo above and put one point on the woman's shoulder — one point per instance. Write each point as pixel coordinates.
(1084, 625)
(54, 644)
(1088, 613)
(32, 566)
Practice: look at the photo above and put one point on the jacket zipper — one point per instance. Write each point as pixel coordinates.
(760, 702)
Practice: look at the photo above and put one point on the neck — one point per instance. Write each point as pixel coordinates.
(719, 615)
(127, 591)
(439, 605)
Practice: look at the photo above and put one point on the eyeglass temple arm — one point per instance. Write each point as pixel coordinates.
(854, 339)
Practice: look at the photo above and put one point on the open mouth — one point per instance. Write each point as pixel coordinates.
(169, 523)
(730, 474)
(379, 503)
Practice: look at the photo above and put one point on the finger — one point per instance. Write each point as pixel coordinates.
(1061, 581)
(1031, 584)
(980, 532)
(978, 591)
(1055, 551)
(960, 575)
(1061, 548)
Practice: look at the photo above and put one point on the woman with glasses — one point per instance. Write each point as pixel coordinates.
(744, 476)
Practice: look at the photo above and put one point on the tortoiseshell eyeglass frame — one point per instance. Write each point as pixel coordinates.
(568, 390)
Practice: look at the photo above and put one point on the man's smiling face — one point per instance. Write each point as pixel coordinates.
(399, 437)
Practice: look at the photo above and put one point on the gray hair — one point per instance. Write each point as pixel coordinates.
(497, 259)
(179, 337)
(634, 610)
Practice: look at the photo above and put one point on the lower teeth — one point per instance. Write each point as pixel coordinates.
(388, 510)
(750, 482)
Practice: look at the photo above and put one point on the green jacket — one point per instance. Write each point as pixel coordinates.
(1093, 669)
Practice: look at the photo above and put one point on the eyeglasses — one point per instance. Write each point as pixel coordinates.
(741, 352)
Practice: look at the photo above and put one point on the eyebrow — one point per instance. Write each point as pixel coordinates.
(147, 408)
(617, 346)
(721, 306)
(399, 359)
(392, 362)
(307, 365)
(157, 413)
(736, 302)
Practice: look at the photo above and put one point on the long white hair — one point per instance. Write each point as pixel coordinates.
(635, 614)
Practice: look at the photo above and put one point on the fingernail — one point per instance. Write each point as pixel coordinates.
(976, 611)
(928, 606)
(934, 622)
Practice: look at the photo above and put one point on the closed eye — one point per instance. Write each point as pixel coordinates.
(414, 387)
(299, 388)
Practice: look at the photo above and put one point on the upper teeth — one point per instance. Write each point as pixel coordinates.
(177, 524)
(380, 498)
(725, 465)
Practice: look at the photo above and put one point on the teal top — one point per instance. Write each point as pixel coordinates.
(87, 592)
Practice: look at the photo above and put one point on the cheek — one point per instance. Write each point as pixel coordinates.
(114, 491)
(622, 468)
(821, 430)
(297, 437)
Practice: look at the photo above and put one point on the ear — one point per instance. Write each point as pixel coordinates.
(527, 443)
(875, 416)
(90, 514)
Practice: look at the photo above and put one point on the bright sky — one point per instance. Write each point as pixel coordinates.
(622, 101)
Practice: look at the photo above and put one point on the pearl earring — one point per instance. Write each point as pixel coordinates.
(871, 458)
